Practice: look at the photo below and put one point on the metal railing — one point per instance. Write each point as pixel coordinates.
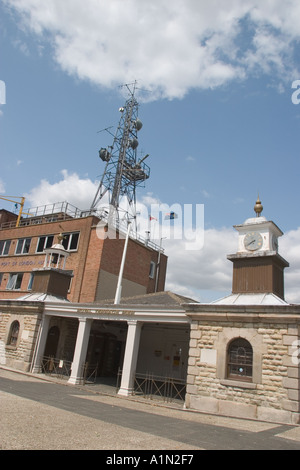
(60, 368)
(60, 211)
(150, 386)
(46, 214)
(54, 367)
(89, 374)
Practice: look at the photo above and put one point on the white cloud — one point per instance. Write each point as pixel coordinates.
(194, 272)
(71, 188)
(290, 250)
(206, 275)
(169, 47)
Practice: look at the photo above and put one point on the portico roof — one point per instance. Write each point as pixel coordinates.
(164, 298)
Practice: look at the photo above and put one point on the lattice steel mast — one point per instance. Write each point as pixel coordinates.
(123, 171)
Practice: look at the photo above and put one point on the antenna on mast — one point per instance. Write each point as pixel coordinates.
(123, 172)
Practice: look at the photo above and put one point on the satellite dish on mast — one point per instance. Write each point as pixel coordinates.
(104, 155)
(138, 124)
(133, 143)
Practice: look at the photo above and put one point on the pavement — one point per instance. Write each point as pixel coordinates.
(40, 413)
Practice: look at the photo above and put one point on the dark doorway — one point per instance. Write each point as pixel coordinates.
(106, 348)
(52, 342)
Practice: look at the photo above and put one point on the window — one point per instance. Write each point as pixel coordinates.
(13, 334)
(23, 246)
(240, 360)
(70, 241)
(4, 247)
(14, 281)
(29, 287)
(152, 270)
(44, 242)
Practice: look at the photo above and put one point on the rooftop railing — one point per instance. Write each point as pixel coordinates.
(60, 211)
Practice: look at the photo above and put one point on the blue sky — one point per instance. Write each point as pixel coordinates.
(219, 122)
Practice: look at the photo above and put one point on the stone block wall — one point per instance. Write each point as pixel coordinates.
(273, 393)
(19, 355)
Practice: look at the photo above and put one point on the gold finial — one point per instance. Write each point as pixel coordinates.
(60, 238)
(258, 207)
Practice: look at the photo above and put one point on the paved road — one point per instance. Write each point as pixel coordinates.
(40, 415)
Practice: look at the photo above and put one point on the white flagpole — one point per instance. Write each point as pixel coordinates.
(119, 285)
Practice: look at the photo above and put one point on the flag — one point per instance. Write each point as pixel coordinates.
(171, 216)
(152, 218)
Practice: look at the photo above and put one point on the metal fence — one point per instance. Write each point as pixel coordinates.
(56, 367)
(150, 386)
(90, 372)
(61, 368)
(146, 385)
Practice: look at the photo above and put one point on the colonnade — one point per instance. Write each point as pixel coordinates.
(80, 352)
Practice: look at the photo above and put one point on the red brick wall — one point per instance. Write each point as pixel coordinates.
(137, 265)
(26, 263)
(7, 216)
(107, 255)
(91, 268)
(92, 255)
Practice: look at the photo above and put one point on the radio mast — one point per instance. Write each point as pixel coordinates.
(123, 172)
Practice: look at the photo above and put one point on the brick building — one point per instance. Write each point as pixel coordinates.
(95, 257)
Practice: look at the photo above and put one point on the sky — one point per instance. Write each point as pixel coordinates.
(218, 84)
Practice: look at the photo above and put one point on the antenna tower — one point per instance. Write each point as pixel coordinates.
(123, 172)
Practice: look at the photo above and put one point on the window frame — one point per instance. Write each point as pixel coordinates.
(4, 251)
(13, 336)
(152, 269)
(24, 243)
(259, 348)
(11, 283)
(69, 237)
(239, 361)
(48, 242)
(30, 282)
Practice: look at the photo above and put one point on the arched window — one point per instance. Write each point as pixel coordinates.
(240, 360)
(13, 334)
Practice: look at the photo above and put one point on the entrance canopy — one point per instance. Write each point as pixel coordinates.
(148, 333)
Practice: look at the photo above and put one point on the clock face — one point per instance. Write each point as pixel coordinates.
(275, 244)
(253, 241)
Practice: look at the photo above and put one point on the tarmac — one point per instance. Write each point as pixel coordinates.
(43, 413)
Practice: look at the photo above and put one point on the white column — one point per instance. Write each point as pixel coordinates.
(81, 346)
(130, 357)
(40, 345)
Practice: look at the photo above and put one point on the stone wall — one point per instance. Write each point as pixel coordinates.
(273, 393)
(28, 315)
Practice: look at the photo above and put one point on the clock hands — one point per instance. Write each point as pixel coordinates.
(253, 241)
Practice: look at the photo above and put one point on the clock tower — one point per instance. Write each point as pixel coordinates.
(257, 265)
